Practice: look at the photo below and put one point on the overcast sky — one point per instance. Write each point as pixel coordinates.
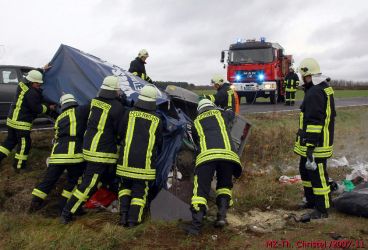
(185, 38)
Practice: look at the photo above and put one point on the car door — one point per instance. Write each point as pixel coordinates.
(9, 78)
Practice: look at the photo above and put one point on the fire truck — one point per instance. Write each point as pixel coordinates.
(257, 69)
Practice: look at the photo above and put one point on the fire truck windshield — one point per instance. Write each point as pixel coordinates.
(252, 56)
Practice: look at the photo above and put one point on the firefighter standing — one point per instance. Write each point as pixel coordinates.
(138, 153)
(66, 153)
(99, 143)
(315, 139)
(216, 153)
(137, 66)
(291, 84)
(23, 111)
(225, 97)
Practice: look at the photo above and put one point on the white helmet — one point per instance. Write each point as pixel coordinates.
(204, 103)
(110, 83)
(143, 53)
(148, 93)
(309, 67)
(67, 100)
(217, 79)
(34, 76)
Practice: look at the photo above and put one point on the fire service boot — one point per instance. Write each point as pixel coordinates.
(195, 227)
(66, 217)
(314, 215)
(36, 204)
(222, 205)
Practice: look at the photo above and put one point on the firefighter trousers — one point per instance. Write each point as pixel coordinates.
(21, 139)
(133, 198)
(53, 173)
(290, 97)
(91, 177)
(202, 183)
(315, 184)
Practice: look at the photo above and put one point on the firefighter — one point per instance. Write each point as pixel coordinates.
(137, 66)
(66, 153)
(225, 97)
(315, 137)
(216, 153)
(99, 143)
(140, 145)
(291, 84)
(23, 111)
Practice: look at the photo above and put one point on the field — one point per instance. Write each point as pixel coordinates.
(263, 213)
(300, 94)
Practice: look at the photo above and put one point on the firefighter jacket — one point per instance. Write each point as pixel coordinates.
(316, 122)
(140, 145)
(224, 98)
(214, 138)
(137, 68)
(26, 107)
(68, 140)
(100, 142)
(291, 82)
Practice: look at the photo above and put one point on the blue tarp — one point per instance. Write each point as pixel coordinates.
(81, 74)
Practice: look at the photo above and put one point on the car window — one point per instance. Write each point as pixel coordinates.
(8, 76)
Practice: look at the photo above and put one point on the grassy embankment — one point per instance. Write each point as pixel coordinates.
(268, 155)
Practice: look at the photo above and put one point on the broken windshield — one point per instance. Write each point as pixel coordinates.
(263, 55)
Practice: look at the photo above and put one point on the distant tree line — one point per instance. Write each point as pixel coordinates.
(345, 84)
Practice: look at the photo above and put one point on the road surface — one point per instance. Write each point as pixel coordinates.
(265, 107)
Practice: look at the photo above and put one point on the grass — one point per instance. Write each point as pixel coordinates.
(268, 155)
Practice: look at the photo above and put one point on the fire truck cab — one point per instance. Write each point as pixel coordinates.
(257, 69)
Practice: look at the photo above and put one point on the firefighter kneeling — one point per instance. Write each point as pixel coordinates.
(216, 153)
(140, 144)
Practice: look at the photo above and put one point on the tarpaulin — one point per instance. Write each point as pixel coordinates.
(81, 74)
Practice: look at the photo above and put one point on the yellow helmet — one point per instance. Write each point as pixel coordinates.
(217, 79)
(309, 67)
(148, 93)
(110, 83)
(143, 53)
(34, 76)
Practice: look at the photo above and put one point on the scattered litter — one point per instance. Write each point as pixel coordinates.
(214, 237)
(114, 207)
(289, 180)
(359, 170)
(340, 162)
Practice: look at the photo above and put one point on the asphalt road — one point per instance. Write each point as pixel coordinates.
(266, 107)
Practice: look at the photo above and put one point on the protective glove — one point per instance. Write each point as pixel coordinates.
(310, 164)
(310, 154)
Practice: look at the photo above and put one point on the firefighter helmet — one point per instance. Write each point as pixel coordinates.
(204, 103)
(217, 79)
(143, 53)
(67, 100)
(110, 83)
(309, 67)
(291, 68)
(148, 93)
(34, 76)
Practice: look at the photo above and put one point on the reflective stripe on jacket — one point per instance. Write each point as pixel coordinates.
(101, 138)
(68, 140)
(140, 145)
(26, 107)
(316, 122)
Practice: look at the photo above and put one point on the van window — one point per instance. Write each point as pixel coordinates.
(8, 76)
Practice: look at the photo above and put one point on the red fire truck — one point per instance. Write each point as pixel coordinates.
(257, 69)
